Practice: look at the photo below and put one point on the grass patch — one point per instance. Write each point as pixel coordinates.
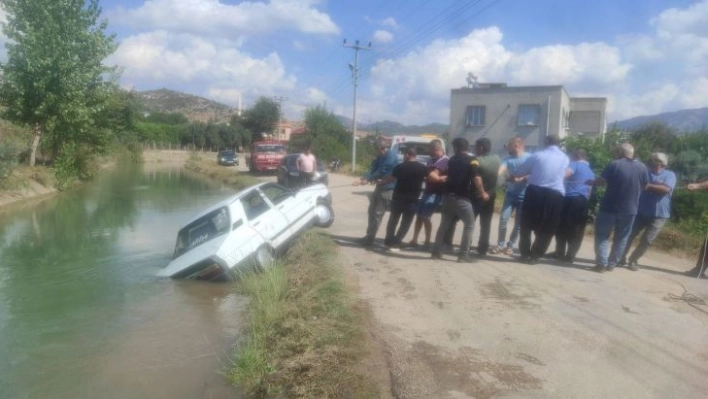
(224, 174)
(304, 337)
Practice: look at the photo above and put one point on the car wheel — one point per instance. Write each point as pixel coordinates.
(324, 215)
(264, 257)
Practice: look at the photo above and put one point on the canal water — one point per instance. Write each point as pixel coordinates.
(82, 314)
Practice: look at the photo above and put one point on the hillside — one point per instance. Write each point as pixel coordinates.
(688, 120)
(195, 108)
(388, 128)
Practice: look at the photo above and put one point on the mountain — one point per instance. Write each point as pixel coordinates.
(389, 128)
(688, 120)
(195, 108)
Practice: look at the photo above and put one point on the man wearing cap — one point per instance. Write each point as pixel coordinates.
(381, 168)
(654, 209)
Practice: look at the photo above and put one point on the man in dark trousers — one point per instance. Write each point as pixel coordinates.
(381, 168)
(625, 179)
(484, 206)
(543, 201)
(702, 263)
(409, 177)
(462, 168)
(574, 216)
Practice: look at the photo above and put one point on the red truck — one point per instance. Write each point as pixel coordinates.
(266, 155)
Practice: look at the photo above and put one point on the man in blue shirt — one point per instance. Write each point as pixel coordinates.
(543, 201)
(654, 208)
(381, 168)
(625, 179)
(513, 196)
(574, 216)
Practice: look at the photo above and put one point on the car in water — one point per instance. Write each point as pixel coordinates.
(246, 231)
(227, 158)
(289, 176)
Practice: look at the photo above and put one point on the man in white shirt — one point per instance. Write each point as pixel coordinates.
(543, 200)
(307, 165)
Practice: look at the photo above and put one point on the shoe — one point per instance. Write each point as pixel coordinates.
(567, 259)
(599, 269)
(436, 255)
(509, 251)
(447, 248)
(466, 259)
(531, 260)
(426, 247)
(610, 268)
(496, 250)
(481, 254)
(633, 266)
(623, 262)
(412, 244)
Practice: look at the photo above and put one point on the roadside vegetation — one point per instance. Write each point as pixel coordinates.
(207, 166)
(688, 158)
(304, 336)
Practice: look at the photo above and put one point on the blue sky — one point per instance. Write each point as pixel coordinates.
(645, 56)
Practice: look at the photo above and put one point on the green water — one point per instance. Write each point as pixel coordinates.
(81, 311)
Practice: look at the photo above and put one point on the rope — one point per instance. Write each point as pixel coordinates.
(686, 297)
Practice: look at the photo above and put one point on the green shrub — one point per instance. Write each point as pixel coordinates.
(9, 154)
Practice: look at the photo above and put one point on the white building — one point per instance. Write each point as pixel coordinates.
(499, 112)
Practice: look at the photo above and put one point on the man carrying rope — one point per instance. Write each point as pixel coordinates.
(701, 264)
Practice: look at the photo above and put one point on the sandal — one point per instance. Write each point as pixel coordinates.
(495, 250)
(509, 251)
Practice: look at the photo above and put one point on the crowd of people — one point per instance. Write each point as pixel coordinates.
(548, 193)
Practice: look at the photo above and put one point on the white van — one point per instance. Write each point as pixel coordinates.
(401, 143)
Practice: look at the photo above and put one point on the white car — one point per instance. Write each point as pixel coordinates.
(247, 230)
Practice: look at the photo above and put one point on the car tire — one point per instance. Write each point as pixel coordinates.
(264, 257)
(324, 214)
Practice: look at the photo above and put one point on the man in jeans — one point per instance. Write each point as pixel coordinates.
(381, 168)
(513, 196)
(462, 169)
(654, 209)
(625, 178)
(432, 196)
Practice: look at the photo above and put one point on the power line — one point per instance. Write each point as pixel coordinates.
(355, 75)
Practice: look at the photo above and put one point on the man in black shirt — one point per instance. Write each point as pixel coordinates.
(456, 203)
(409, 177)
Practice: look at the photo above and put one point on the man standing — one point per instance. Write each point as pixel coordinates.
(381, 168)
(456, 203)
(306, 165)
(409, 177)
(432, 196)
(574, 216)
(543, 200)
(513, 196)
(701, 264)
(484, 204)
(625, 179)
(654, 209)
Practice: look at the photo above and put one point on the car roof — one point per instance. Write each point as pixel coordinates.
(228, 201)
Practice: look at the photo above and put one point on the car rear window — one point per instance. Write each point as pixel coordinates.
(202, 230)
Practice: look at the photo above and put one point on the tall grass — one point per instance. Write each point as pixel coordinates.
(304, 337)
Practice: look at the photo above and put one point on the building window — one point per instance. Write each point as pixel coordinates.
(529, 114)
(475, 115)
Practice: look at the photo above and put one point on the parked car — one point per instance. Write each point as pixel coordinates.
(246, 230)
(289, 176)
(228, 158)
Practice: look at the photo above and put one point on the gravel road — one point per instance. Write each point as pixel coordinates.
(499, 328)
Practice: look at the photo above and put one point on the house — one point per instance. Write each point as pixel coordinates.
(500, 112)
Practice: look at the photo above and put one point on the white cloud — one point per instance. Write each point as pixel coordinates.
(382, 37)
(390, 22)
(214, 18)
(689, 21)
(160, 59)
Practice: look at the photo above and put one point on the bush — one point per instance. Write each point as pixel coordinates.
(9, 155)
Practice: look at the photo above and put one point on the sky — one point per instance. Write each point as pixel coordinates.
(645, 56)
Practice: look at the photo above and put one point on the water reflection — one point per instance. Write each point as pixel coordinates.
(77, 290)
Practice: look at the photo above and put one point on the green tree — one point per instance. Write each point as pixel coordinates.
(262, 118)
(323, 131)
(652, 137)
(53, 80)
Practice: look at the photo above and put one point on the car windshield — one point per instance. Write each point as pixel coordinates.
(202, 230)
(272, 148)
(226, 154)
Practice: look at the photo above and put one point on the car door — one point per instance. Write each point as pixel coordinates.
(264, 218)
(293, 206)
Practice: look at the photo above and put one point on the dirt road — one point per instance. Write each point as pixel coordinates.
(499, 328)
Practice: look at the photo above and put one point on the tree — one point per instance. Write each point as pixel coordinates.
(53, 80)
(323, 131)
(262, 117)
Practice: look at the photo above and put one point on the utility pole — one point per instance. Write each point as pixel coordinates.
(279, 100)
(355, 75)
